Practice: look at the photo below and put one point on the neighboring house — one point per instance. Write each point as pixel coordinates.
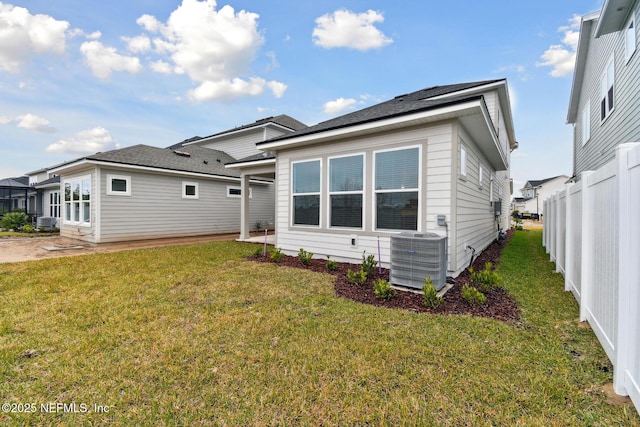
(14, 195)
(348, 184)
(535, 192)
(604, 107)
(143, 192)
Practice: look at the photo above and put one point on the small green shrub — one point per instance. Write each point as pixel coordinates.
(276, 255)
(305, 257)
(331, 264)
(258, 252)
(356, 277)
(472, 295)
(382, 289)
(369, 264)
(27, 228)
(431, 297)
(486, 279)
(13, 220)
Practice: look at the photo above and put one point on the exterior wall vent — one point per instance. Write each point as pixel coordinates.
(416, 256)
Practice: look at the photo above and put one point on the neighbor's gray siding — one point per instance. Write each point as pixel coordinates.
(156, 208)
(623, 124)
(244, 143)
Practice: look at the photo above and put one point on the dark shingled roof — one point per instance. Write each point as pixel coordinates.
(413, 102)
(53, 180)
(14, 182)
(188, 159)
(282, 120)
(539, 182)
(255, 158)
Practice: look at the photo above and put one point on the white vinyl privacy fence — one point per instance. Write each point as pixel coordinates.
(592, 233)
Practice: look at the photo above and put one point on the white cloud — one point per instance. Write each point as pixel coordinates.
(103, 60)
(32, 122)
(5, 120)
(226, 90)
(215, 48)
(562, 57)
(138, 44)
(24, 35)
(77, 32)
(344, 28)
(85, 142)
(339, 105)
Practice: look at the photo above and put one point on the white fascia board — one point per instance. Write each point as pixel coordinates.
(578, 72)
(87, 162)
(370, 127)
(251, 164)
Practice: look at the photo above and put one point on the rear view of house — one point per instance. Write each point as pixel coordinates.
(435, 160)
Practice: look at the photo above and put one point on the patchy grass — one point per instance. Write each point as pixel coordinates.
(197, 335)
(4, 234)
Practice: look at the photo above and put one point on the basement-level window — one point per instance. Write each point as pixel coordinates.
(397, 188)
(306, 192)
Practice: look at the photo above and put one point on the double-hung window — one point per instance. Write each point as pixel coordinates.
(346, 190)
(77, 200)
(607, 82)
(306, 192)
(397, 177)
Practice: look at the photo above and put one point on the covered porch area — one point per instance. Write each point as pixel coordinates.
(260, 166)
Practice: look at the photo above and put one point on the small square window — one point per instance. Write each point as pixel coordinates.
(118, 185)
(189, 190)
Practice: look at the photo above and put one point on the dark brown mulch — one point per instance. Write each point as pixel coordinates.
(499, 305)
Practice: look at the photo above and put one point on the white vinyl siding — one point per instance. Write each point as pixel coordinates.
(157, 210)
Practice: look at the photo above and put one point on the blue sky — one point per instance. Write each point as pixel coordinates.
(78, 76)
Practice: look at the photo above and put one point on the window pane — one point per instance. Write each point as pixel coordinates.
(119, 185)
(86, 189)
(306, 177)
(235, 192)
(67, 192)
(67, 209)
(397, 169)
(397, 211)
(76, 212)
(306, 210)
(76, 190)
(346, 210)
(346, 174)
(86, 212)
(190, 190)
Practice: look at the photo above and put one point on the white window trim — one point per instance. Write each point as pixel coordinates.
(405, 190)
(605, 76)
(362, 192)
(586, 123)
(463, 161)
(480, 175)
(237, 196)
(292, 194)
(80, 221)
(630, 38)
(184, 190)
(112, 192)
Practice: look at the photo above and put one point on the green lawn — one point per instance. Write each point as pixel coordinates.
(197, 335)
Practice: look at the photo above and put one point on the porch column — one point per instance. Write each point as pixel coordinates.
(244, 206)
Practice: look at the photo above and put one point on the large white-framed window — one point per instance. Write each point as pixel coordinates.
(346, 191)
(586, 122)
(305, 190)
(607, 83)
(630, 38)
(235, 192)
(397, 188)
(190, 190)
(77, 200)
(54, 204)
(118, 185)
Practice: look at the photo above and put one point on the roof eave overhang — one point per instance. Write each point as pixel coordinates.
(251, 163)
(473, 114)
(579, 69)
(613, 17)
(88, 163)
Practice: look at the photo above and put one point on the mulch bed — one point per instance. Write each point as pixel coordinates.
(499, 305)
